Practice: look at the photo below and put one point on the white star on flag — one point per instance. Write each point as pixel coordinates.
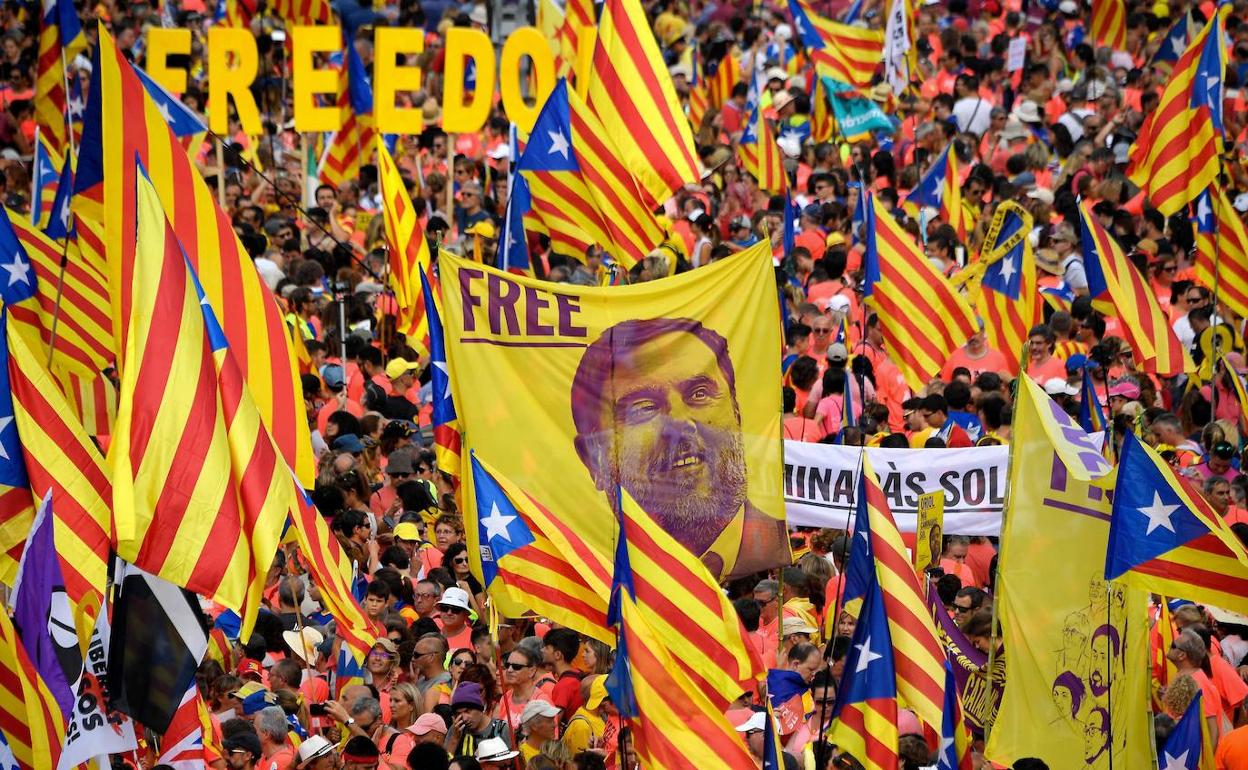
(558, 144)
(441, 366)
(1204, 212)
(939, 194)
(165, 112)
(1178, 42)
(18, 269)
(4, 424)
(496, 524)
(866, 657)
(1158, 514)
(1176, 763)
(1007, 269)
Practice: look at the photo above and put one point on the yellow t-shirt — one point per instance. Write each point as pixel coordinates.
(583, 726)
(527, 752)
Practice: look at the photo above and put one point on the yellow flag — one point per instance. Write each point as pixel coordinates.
(666, 389)
(1076, 646)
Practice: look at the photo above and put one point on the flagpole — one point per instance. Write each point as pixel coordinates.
(73, 153)
(450, 182)
(990, 716)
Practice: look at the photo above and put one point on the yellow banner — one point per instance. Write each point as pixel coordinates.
(1076, 689)
(930, 531)
(669, 389)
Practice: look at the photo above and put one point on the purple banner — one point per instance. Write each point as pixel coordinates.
(970, 669)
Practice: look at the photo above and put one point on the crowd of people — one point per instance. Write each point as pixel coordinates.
(443, 690)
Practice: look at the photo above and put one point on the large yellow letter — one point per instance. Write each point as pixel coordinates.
(389, 43)
(310, 81)
(160, 44)
(525, 41)
(225, 81)
(461, 43)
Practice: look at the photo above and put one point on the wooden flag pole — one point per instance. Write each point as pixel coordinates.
(221, 172)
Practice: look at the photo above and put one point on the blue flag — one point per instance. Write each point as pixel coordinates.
(502, 529)
(550, 142)
(59, 224)
(1185, 744)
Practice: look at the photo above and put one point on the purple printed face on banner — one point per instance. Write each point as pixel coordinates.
(1078, 450)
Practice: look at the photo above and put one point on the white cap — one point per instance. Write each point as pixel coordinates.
(1241, 202)
(1068, 6)
(777, 73)
(303, 643)
(455, 597)
(783, 32)
(757, 721)
(503, 150)
(1059, 387)
(313, 748)
(478, 15)
(1042, 194)
(538, 708)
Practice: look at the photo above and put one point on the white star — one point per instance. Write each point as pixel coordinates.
(4, 423)
(1007, 269)
(64, 217)
(166, 112)
(797, 25)
(866, 656)
(19, 270)
(1203, 210)
(791, 135)
(496, 524)
(558, 144)
(1158, 514)
(1176, 763)
(939, 194)
(1178, 43)
(441, 366)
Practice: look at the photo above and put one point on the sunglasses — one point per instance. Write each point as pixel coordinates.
(460, 560)
(460, 662)
(958, 609)
(515, 666)
(399, 475)
(446, 610)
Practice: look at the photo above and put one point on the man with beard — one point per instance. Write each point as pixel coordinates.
(655, 408)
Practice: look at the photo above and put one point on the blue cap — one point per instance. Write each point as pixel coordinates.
(1076, 362)
(349, 443)
(332, 374)
(230, 624)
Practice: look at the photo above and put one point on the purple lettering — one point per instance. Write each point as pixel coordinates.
(466, 276)
(503, 298)
(567, 306)
(533, 302)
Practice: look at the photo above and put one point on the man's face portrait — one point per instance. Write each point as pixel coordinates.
(664, 424)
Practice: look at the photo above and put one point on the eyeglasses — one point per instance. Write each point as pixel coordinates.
(460, 662)
(821, 332)
(515, 666)
(381, 654)
(425, 595)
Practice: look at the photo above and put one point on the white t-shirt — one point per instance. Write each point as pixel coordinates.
(973, 115)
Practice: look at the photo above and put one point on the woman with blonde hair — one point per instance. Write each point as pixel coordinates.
(405, 705)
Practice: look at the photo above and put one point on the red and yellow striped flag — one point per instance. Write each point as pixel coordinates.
(245, 306)
(576, 31)
(30, 718)
(632, 94)
(1144, 324)
(721, 82)
(698, 101)
(305, 13)
(84, 331)
(61, 459)
(850, 54)
(924, 319)
(918, 657)
(348, 148)
(200, 492)
(60, 40)
(409, 253)
(1222, 249)
(822, 123)
(1109, 23)
(1175, 156)
(758, 154)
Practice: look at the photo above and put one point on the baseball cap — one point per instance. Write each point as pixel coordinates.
(1125, 389)
(1059, 387)
(332, 375)
(428, 723)
(254, 697)
(455, 597)
(756, 722)
(838, 352)
(249, 742)
(597, 692)
(387, 644)
(313, 748)
(249, 667)
(398, 367)
(398, 429)
(1241, 203)
(538, 708)
(349, 442)
(1223, 450)
(1076, 362)
(406, 530)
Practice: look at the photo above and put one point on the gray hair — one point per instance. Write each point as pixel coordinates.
(367, 704)
(271, 721)
(771, 586)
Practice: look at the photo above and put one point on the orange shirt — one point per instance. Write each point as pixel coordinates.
(1046, 371)
(798, 428)
(991, 361)
(322, 417)
(1232, 753)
